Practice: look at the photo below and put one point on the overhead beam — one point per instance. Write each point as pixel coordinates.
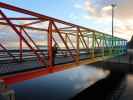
(20, 18)
(31, 23)
(41, 16)
(28, 12)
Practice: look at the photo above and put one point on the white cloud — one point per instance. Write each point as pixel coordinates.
(99, 11)
(107, 8)
(77, 5)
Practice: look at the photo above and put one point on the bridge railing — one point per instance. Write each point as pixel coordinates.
(72, 40)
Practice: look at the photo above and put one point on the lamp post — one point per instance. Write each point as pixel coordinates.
(113, 6)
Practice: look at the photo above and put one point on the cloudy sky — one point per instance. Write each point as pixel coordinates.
(95, 14)
(98, 12)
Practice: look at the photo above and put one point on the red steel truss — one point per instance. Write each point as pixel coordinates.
(83, 39)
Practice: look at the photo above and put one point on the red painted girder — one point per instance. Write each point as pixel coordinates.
(28, 12)
(20, 18)
(22, 37)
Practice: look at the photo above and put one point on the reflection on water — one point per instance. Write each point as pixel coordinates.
(59, 86)
(120, 89)
(128, 93)
(109, 88)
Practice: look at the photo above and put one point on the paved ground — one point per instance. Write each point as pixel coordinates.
(121, 64)
(128, 93)
(121, 59)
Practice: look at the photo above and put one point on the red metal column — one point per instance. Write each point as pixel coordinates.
(37, 48)
(58, 46)
(70, 41)
(82, 37)
(66, 40)
(63, 40)
(20, 47)
(78, 48)
(88, 42)
(81, 42)
(50, 49)
(96, 41)
(100, 42)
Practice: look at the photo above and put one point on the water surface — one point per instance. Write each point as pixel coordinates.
(59, 86)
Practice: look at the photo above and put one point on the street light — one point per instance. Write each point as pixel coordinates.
(113, 6)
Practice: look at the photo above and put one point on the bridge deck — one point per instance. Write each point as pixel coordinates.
(125, 59)
(6, 68)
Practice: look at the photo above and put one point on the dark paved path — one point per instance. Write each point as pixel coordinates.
(109, 88)
(128, 93)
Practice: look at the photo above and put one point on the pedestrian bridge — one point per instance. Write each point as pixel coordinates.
(26, 44)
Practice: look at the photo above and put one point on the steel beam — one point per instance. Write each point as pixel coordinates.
(28, 12)
(21, 47)
(82, 37)
(50, 48)
(37, 48)
(22, 37)
(67, 47)
(20, 18)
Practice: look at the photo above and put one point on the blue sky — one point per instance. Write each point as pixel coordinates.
(88, 13)
(61, 9)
